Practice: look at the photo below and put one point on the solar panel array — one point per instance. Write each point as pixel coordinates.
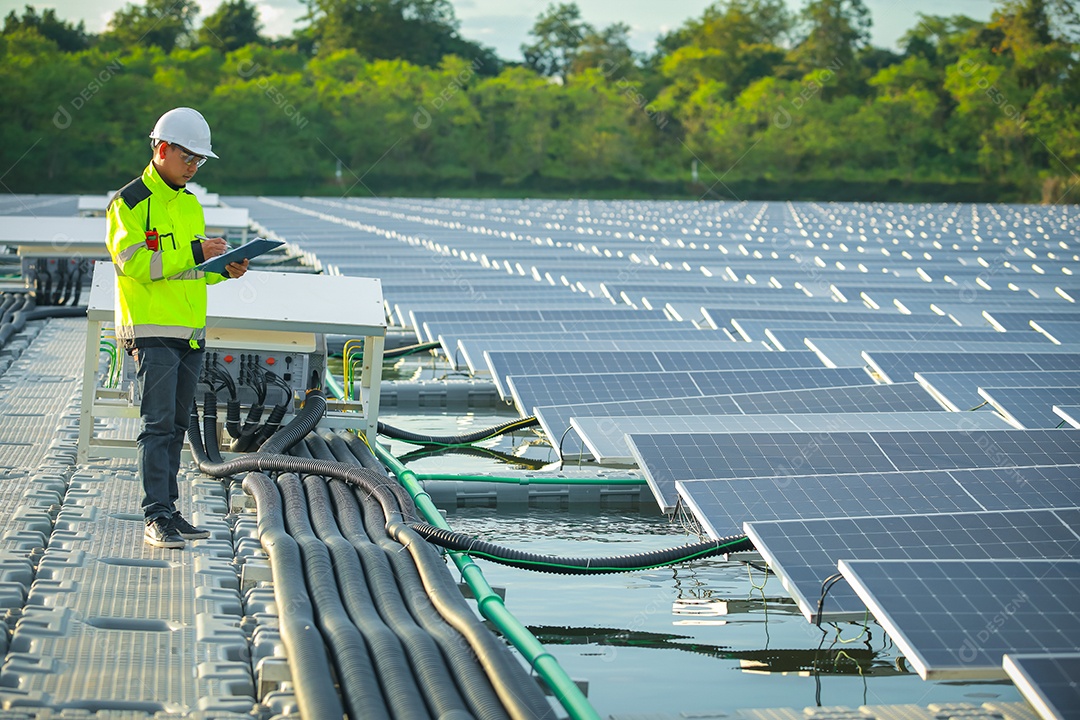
(1050, 682)
(589, 310)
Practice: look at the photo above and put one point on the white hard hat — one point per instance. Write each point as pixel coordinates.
(186, 127)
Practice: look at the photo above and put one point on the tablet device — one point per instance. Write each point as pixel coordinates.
(251, 249)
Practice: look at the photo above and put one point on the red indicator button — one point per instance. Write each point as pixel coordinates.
(270, 361)
(228, 358)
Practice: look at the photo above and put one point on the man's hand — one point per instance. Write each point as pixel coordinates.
(212, 247)
(235, 269)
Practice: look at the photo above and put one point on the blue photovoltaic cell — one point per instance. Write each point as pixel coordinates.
(958, 618)
(1059, 331)
(605, 437)
(804, 553)
(1021, 320)
(756, 328)
(960, 390)
(793, 339)
(1051, 683)
(722, 506)
(902, 366)
(531, 391)
(899, 397)
(849, 352)
(1031, 407)
(666, 459)
(503, 364)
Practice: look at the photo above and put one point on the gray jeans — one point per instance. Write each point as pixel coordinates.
(167, 378)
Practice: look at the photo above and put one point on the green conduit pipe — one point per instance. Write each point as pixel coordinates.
(331, 383)
(531, 480)
(491, 605)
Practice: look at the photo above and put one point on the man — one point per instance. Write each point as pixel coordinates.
(155, 237)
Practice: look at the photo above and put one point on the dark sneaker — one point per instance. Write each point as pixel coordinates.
(160, 533)
(186, 530)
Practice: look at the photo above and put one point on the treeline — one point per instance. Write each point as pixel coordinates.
(385, 97)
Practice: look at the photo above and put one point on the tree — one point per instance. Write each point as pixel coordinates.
(608, 51)
(836, 30)
(233, 25)
(560, 33)
(67, 36)
(162, 23)
(418, 31)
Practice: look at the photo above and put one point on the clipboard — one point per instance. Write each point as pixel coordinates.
(253, 248)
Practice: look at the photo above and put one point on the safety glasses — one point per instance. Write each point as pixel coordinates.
(189, 157)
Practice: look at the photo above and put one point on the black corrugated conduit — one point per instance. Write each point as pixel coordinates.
(580, 566)
(210, 438)
(501, 687)
(302, 423)
(521, 693)
(466, 439)
(387, 651)
(308, 663)
(350, 656)
(341, 452)
(438, 687)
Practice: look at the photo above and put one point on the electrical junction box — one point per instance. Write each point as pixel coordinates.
(266, 322)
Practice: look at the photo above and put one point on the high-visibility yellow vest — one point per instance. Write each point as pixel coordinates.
(159, 294)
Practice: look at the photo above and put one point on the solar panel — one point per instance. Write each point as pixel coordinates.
(1051, 683)
(899, 397)
(1069, 413)
(960, 390)
(605, 437)
(470, 351)
(958, 618)
(1058, 331)
(848, 352)
(803, 553)
(756, 329)
(509, 328)
(503, 364)
(530, 391)
(665, 459)
(722, 506)
(902, 366)
(1021, 320)
(1030, 407)
(792, 339)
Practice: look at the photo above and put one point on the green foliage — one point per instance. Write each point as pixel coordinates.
(233, 25)
(765, 106)
(166, 24)
(67, 36)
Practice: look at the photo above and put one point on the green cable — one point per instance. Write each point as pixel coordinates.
(491, 606)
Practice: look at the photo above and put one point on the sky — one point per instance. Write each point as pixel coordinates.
(505, 25)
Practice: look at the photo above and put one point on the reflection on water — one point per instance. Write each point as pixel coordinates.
(828, 660)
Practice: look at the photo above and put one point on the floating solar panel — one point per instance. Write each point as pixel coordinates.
(1069, 413)
(470, 351)
(899, 397)
(958, 618)
(846, 352)
(530, 391)
(666, 459)
(1057, 331)
(1050, 683)
(430, 331)
(722, 506)
(1005, 320)
(960, 391)
(605, 437)
(757, 329)
(793, 339)
(502, 364)
(902, 366)
(1030, 408)
(803, 553)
